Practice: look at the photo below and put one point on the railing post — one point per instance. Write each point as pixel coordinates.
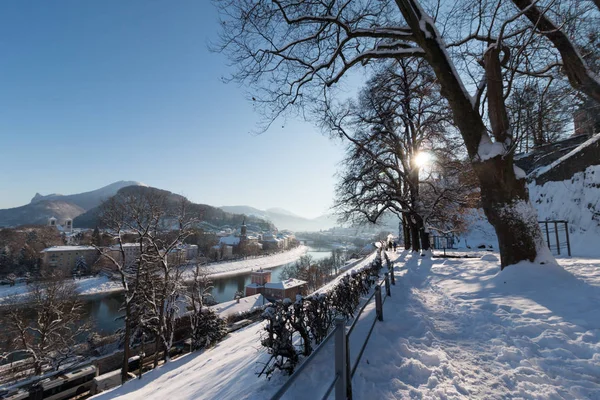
(567, 233)
(378, 303)
(392, 275)
(556, 234)
(387, 285)
(340, 359)
(548, 236)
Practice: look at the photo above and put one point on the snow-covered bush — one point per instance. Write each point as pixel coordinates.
(207, 328)
(311, 317)
(279, 339)
(320, 315)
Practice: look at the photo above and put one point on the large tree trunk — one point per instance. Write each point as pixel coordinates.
(504, 197)
(414, 234)
(406, 231)
(423, 235)
(505, 200)
(126, 341)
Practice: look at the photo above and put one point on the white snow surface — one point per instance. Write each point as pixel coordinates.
(461, 329)
(85, 287)
(488, 149)
(248, 303)
(453, 329)
(220, 270)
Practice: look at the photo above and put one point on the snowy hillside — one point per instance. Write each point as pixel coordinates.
(576, 200)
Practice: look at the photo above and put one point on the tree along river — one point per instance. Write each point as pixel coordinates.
(104, 310)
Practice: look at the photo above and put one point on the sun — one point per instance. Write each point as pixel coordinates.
(422, 159)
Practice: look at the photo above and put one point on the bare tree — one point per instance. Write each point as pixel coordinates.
(401, 151)
(294, 51)
(139, 213)
(47, 328)
(152, 281)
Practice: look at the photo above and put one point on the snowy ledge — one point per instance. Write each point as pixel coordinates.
(542, 170)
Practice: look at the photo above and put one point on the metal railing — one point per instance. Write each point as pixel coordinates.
(341, 384)
(556, 235)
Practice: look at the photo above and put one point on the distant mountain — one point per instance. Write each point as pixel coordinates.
(87, 200)
(210, 215)
(59, 206)
(283, 211)
(247, 210)
(284, 219)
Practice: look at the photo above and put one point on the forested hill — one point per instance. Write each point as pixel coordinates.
(211, 216)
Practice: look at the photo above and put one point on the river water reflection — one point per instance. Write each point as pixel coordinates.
(104, 310)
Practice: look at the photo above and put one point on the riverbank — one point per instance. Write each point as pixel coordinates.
(102, 285)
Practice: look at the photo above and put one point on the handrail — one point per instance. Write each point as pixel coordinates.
(328, 392)
(290, 381)
(299, 370)
(363, 308)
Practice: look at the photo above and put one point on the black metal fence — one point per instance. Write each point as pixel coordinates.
(441, 242)
(340, 384)
(556, 233)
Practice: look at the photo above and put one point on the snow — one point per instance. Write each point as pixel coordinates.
(462, 329)
(488, 149)
(68, 248)
(348, 268)
(287, 284)
(455, 329)
(245, 304)
(220, 270)
(577, 201)
(520, 174)
(542, 170)
(85, 287)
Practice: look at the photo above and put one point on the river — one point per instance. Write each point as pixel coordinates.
(104, 309)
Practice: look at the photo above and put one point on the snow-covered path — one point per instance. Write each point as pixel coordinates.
(461, 329)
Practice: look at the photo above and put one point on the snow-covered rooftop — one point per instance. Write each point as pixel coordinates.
(230, 240)
(68, 248)
(245, 304)
(287, 284)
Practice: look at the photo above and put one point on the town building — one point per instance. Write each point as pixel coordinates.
(261, 284)
(132, 252)
(65, 257)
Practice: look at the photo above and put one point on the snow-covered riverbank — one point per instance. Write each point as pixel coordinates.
(102, 285)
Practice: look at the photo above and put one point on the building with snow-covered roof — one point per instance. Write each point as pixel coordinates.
(261, 284)
(230, 240)
(65, 257)
(288, 288)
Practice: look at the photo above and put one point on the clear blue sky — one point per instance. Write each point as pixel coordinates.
(94, 92)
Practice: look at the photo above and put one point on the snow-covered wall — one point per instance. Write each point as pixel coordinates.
(576, 200)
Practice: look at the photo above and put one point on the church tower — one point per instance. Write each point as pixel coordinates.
(243, 231)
